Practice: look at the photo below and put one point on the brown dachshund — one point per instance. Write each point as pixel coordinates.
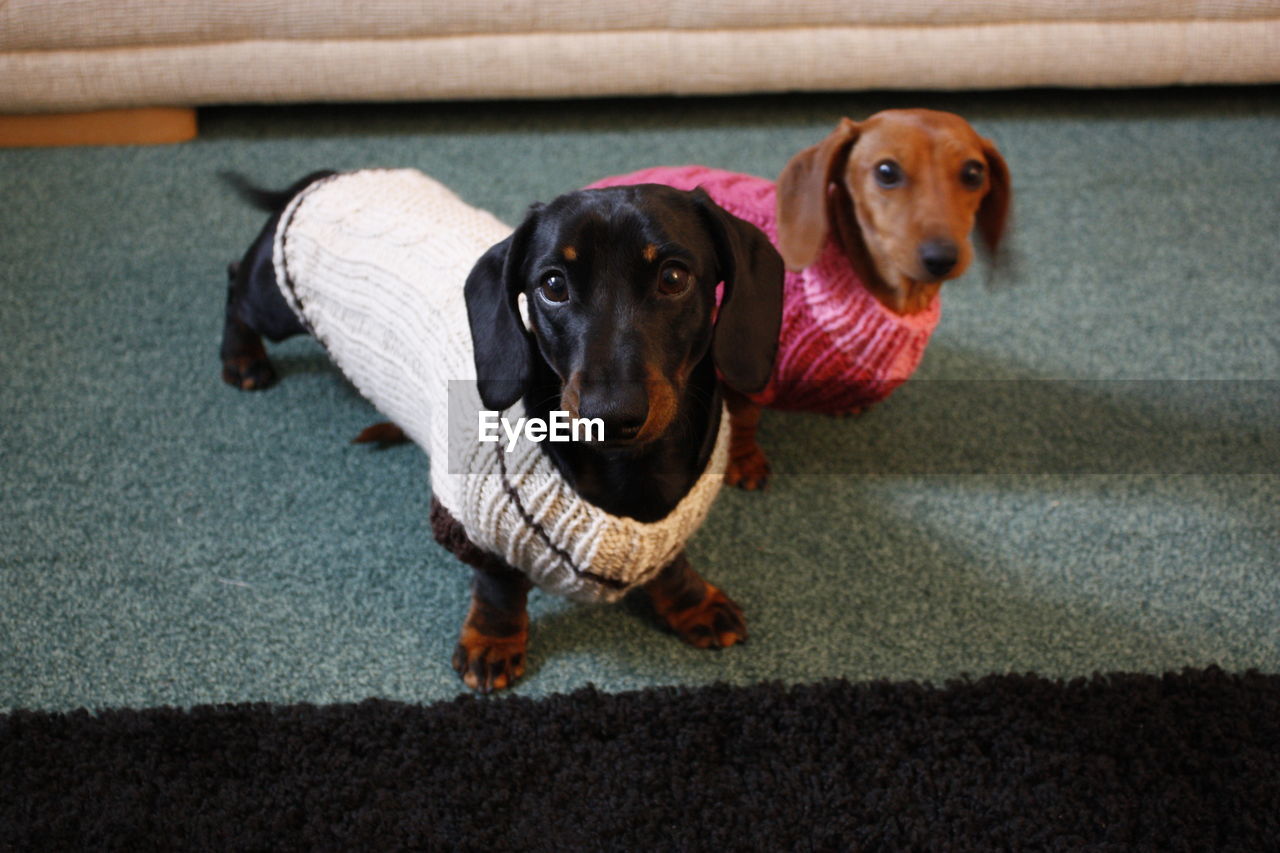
(870, 222)
(899, 194)
(902, 191)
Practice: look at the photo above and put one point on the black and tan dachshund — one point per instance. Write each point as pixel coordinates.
(620, 290)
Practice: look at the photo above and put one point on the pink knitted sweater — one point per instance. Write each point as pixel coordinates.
(840, 350)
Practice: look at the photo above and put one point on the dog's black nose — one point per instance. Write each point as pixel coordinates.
(939, 257)
(623, 408)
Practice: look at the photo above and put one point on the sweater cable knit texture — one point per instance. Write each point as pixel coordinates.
(374, 262)
(839, 349)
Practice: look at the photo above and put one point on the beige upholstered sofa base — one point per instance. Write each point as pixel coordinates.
(635, 62)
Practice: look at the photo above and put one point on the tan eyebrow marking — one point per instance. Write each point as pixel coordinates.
(570, 253)
(650, 252)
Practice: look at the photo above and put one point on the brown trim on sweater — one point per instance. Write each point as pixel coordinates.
(450, 533)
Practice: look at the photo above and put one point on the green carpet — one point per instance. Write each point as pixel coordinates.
(167, 540)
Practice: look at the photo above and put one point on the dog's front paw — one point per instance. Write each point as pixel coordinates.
(487, 663)
(715, 622)
(748, 469)
(248, 373)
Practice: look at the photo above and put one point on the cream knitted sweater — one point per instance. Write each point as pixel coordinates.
(373, 262)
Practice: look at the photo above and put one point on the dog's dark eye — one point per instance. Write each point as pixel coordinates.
(674, 279)
(973, 174)
(888, 174)
(554, 288)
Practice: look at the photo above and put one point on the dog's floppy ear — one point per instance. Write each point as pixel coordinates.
(503, 347)
(802, 194)
(750, 315)
(993, 212)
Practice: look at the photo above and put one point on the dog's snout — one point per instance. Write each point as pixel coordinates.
(939, 257)
(622, 407)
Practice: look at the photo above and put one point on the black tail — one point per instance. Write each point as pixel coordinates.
(271, 201)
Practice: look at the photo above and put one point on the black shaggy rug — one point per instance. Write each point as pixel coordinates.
(1187, 761)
